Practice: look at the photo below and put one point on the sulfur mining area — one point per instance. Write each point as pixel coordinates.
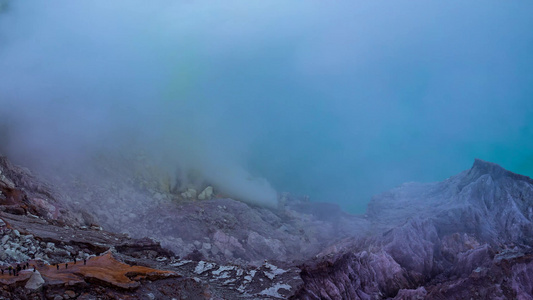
(306, 150)
(143, 235)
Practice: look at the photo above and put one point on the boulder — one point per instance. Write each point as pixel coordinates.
(206, 194)
(190, 193)
(35, 281)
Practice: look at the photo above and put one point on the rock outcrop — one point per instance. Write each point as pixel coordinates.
(467, 237)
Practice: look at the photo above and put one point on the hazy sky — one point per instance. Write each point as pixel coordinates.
(338, 100)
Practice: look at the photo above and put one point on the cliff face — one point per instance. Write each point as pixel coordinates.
(469, 236)
(486, 200)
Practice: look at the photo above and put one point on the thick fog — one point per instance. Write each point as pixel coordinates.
(337, 100)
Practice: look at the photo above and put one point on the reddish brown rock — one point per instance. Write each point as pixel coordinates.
(104, 270)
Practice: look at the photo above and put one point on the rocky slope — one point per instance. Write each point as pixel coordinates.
(40, 229)
(468, 237)
(125, 200)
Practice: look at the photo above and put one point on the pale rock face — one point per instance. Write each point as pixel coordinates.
(229, 243)
(206, 194)
(16, 255)
(190, 193)
(5, 182)
(35, 281)
(203, 267)
(264, 245)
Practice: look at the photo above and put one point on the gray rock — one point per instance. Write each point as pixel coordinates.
(206, 246)
(190, 193)
(16, 255)
(35, 281)
(207, 193)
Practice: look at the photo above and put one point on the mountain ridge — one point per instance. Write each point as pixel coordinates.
(469, 236)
